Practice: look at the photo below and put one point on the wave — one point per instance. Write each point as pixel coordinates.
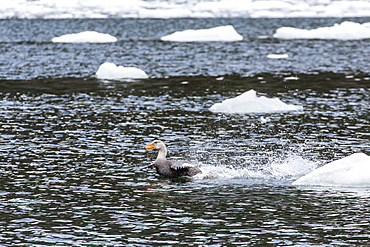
(46, 9)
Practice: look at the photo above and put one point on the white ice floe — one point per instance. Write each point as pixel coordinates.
(344, 31)
(248, 102)
(291, 78)
(221, 33)
(277, 56)
(352, 171)
(85, 37)
(47, 9)
(112, 71)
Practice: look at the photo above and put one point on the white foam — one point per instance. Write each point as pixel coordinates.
(85, 37)
(221, 33)
(47, 9)
(248, 102)
(352, 171)
(344, 31)
(112, 71)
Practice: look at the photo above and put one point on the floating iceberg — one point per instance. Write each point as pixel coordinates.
(221, 33)
(85, 37)
(112, 71)
(248, 102)
(344, 31)
(353, 171)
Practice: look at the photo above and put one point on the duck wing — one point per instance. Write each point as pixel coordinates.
(184, 168)
(181, 164)
(176, 168)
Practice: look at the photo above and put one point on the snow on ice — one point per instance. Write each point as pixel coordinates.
(221, 33)
(85, 37)
(248, 102)
(346, 30)
(353, 171)
(111, 71)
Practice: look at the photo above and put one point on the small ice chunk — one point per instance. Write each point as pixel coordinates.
(264, 120)
(353, 170)
(277, 56)
(85, 37)
(291, 78)
(221, 33)
(346, 30)
(248, 102)
(112, 71)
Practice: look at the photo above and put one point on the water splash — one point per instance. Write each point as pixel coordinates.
(289, 168)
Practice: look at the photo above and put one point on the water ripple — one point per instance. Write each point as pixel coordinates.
(74, 171)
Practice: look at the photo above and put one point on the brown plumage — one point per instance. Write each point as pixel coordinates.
(171, 168)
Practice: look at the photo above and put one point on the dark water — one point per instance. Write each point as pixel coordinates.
(74, 171)
(28, 53)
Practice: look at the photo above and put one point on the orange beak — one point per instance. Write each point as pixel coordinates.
(149, 147)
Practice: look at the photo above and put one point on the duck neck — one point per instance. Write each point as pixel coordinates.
(162, 153)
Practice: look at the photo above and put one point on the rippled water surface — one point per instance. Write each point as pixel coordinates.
(28, 53)
(74, 171)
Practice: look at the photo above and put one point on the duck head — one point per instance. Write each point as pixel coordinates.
(156, 145)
